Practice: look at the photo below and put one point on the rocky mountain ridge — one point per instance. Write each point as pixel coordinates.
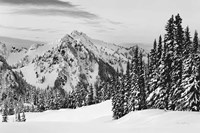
(64, 63)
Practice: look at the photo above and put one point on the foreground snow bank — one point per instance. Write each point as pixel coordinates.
(98, 119)
(83, 114)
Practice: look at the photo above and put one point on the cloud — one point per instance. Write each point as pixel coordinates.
(57, 8)
(58, 12)
(99, 25)
(103, 30)
(114, 22)
(24, 28)
(48, 7)
(102, 23)
(38, 3)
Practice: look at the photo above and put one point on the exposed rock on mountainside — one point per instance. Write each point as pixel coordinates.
(3, 50)
(11, 82)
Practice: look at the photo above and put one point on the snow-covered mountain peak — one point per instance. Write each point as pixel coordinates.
(81, 37)
(77, 33)
(96, 45)
(67, 38)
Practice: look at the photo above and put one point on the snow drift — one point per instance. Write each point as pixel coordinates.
(98, 119)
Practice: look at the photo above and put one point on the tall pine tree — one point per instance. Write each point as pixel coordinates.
(187, 43)
(195, 43)
(177, 61)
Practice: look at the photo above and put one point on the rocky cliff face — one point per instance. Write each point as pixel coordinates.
(11, 82)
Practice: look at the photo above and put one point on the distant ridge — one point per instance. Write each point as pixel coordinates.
(147, 47)
(17, 42)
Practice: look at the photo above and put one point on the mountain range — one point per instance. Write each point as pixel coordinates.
(64, 63)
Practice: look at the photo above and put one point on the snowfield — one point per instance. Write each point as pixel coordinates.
(98, 119)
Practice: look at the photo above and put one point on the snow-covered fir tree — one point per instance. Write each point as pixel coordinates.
(117, 100)
(177, 60)
(23, 117)
(141, 82)
(196, 46)
(135, 88)
(187, 42)
(190, 96)
(4, 112)
(127, 85)
(159, 51)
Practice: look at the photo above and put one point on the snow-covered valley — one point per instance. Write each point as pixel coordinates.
(98, 118)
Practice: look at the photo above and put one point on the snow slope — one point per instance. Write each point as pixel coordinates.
(98, 119)
(26, 55)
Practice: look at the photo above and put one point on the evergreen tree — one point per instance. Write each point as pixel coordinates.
(141, 83)
(117, 103)
(148, 75)
(90, 98)
(169, 36)
(23, 117)
(187, 43)
(153, 68)
(112, 86)
(190, 96)
(164, 87)
(179, 35)
(127, 87)
(51, 100)
(71, 100)
(177, 61)
(128, 69)
(159, 98)
(195, 43)
(187, 72)
(159, 51)
(104, 91)
(18, 117)
(41, 104)
(80, 95)
(123, 99)
(134, 88)
(153, 58)
(57, 99)
(4, 113)
(135, 62)
(134, 96)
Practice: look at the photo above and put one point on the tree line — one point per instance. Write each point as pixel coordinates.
(52, 98)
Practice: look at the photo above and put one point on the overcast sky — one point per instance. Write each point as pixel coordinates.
(109, 20)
